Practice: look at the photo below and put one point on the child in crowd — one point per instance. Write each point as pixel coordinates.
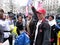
(23, 38)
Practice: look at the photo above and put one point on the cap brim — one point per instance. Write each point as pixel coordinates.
(38, 12)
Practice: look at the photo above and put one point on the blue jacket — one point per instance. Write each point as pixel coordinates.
(22, 39)
(57, 26)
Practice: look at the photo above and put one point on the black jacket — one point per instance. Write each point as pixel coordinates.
(19, 27)
(1, 34)
(44, 36)
(54, 32)
(35, 14)
(32, 28)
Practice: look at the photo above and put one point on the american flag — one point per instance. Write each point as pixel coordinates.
(27, 6)
(26, 11)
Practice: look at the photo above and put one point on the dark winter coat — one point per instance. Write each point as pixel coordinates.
(19, 27)
(44, 36)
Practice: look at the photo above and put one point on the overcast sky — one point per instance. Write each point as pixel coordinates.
(20, 2)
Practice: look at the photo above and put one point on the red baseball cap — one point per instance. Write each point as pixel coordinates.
(43, 11)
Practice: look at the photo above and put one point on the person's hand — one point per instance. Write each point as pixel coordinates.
(28, 33)
(51, 40)
(31, 5)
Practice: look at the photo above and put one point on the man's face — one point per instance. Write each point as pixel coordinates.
(40, 16)
(50, 18)
(29, 17)
(20, 19)
(4, 17)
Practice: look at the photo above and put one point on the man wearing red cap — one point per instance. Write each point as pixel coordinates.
(42, 33)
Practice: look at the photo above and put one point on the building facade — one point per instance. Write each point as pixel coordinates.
(11, 5)
(50, 5)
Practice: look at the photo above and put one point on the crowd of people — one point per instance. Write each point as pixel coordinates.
(34, 29)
